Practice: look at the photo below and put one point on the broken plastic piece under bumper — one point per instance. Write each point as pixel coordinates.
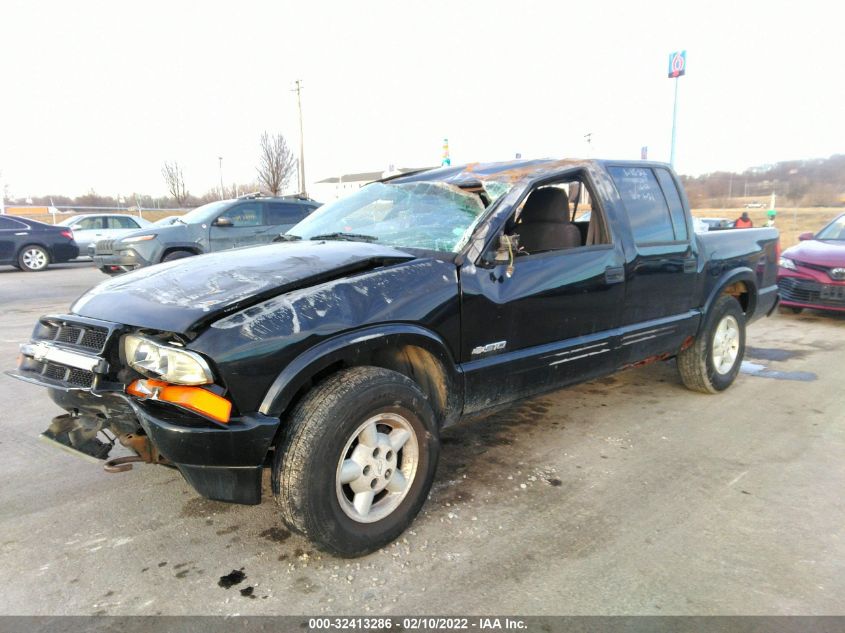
(224, 464)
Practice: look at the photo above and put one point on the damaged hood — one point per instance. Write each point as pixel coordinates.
(181, 295)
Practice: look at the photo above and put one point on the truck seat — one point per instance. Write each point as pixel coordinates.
(544, 224)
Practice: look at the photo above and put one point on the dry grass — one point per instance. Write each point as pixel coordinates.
(790, 221)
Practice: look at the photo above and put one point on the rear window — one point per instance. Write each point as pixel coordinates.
(12, 225)
(645, 204)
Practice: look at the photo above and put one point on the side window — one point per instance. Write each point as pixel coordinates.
(285, 213)
(559, 216)
(89, 224)
(647, 210)
(123, 223)
(12, 225)
(247, 214)
(676, 208)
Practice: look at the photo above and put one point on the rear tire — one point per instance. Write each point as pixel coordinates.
(712, 362)
(356, 461)
(33, 259)
(177, 255)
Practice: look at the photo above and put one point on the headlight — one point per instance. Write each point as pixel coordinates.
(785, 262)
(166, 363)
(138, 238)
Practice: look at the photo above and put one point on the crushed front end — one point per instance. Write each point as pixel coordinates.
(164, 412)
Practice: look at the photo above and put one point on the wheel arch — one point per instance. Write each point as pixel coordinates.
(413, 351)
(740, 283)
(170, 248)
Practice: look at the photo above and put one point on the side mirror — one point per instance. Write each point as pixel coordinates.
(222, 222)
(806, 235)
(506, 251)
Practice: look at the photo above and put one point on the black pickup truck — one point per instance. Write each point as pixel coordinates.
(337, 355)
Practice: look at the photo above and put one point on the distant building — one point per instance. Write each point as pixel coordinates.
(336, 187)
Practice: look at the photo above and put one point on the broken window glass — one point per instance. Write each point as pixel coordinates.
(430, 215)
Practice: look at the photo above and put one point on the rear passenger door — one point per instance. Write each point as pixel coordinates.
(661, 270)
(282, 216)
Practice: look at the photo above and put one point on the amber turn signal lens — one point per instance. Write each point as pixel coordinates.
(194, 398)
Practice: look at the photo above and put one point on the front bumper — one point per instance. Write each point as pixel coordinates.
(224, 464)
(113, 256)
(804, 292)
(67, 355)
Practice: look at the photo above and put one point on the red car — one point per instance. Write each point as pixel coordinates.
(812, 274)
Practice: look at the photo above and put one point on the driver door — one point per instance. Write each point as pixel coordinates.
(549, 324)
(238, 227)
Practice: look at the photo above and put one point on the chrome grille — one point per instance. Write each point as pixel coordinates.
(87, 337)
(811, 292)
(104, 247)
(67, 352)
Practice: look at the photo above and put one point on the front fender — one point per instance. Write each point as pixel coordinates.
(351, 346)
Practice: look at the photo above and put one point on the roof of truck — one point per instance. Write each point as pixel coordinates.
(508, 171)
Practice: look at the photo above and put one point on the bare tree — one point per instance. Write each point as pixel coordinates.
(276, 163)
(175, 181)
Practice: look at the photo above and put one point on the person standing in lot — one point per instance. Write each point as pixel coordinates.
(770, 215)
(743, 222)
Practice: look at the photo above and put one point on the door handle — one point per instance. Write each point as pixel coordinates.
(614, 274)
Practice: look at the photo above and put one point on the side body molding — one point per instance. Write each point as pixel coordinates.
(350, 347)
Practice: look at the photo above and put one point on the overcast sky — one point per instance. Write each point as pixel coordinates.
(98, 94)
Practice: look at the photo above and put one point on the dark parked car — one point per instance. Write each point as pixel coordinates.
(387, 315)
(812, 273)
(246, 221)
(32, 246)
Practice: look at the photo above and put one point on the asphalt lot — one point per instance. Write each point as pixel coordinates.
(626, 495)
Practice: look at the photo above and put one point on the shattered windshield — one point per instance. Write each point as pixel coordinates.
(431, 215)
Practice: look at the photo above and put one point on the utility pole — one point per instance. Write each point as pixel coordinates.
(220, 163)
(298, 91)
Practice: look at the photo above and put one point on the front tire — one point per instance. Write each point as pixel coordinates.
(712, 362)
(177, 255)
(357, 460)
(33, 259)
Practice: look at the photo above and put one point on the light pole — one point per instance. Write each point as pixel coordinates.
(220, 164)
(677, 69)
(298, 91)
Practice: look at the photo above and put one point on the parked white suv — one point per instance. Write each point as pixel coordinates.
(91, 227)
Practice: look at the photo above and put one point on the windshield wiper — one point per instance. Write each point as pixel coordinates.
(286, 237)
(348, 237)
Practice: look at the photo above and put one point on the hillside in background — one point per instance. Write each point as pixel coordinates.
(801, 183)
